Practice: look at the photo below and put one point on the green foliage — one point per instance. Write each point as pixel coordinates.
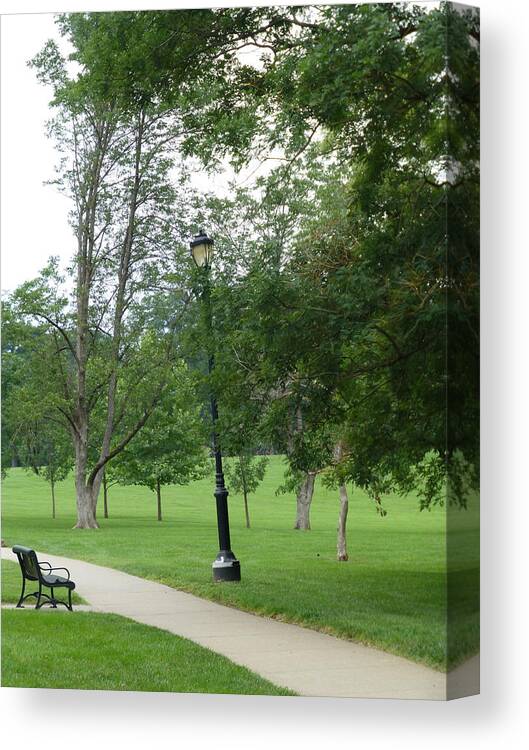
(32, 433)
(344, 303)
(113, 341)
(170, 447)
(245, 472)
(366, 316)
(49, 451)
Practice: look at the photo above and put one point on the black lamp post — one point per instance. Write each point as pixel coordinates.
(226, 567)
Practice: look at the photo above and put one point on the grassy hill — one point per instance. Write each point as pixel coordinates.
(391, 593)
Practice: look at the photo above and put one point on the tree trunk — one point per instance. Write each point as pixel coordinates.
(105, 495)
(86, 504)
(341, 545)
(86, 518)
(246, 512)
(159, 499)
(245, 492)
(84, 492)
(52, 498)
(304, 499)
(86, 488)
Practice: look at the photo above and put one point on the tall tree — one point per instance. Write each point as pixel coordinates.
(112, 358)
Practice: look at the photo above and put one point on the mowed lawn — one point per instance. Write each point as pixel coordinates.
(392, 593)
(108, 652)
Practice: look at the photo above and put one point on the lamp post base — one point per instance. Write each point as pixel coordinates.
(226, 567)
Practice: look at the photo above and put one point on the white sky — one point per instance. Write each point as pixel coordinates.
(34, 216)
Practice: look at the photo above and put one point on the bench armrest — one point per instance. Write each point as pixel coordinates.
(65, 570)
(50, 569)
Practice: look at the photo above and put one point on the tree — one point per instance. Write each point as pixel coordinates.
(341, 541)
(170, 449)
(350, 325)
(40, 444)
(245, 472)
(394, 272)
(256, 376)
(57, 455)
(43, 449)
(369, 280)
(16, 339)
(107, 483)
(111, 359)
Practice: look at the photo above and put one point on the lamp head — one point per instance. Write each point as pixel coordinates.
(201, 249)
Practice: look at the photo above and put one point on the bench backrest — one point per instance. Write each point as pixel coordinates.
(28, 562)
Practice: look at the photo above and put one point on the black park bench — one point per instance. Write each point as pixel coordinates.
(44, 575)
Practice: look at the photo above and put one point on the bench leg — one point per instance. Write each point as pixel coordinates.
(43, 599)
(38, 604)
(22, 594)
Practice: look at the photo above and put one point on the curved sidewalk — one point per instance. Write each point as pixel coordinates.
(308, 662)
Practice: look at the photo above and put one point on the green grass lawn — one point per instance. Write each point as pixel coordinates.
(392, 593)
(12, 586)
(93, 651)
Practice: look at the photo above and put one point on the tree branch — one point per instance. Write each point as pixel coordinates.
(57, 327)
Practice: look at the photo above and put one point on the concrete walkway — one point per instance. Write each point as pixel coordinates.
(308, 662)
